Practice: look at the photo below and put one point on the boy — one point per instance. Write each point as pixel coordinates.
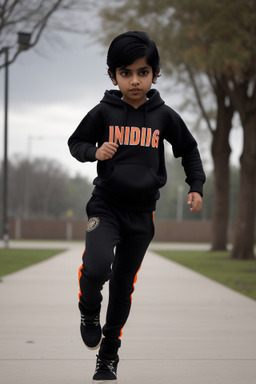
(125, 132)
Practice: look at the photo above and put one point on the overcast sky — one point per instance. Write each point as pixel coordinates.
(51, 88)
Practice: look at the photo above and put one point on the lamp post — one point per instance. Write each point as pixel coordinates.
(24, 43)
(5, 163)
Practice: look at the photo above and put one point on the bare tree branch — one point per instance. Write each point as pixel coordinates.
(36, 16)
(199, 98)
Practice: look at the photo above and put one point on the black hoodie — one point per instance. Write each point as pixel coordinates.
(132, 178)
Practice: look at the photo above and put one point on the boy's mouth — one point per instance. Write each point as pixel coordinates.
(135, 90)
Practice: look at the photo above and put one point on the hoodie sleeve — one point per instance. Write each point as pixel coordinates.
(82, 143)
(184, 145)
(195, 176)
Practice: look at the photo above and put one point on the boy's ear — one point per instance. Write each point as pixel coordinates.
(156, 76)
(112, 77)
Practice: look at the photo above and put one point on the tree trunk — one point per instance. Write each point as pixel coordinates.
(244, 231)
(221, 152)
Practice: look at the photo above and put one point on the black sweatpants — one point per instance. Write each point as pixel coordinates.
(116, 242)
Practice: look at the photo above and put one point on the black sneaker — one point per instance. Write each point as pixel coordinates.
(105, 372)
(91, 330)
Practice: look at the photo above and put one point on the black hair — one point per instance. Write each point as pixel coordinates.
(130, 46)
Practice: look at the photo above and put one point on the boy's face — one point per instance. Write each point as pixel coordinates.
(134, 81)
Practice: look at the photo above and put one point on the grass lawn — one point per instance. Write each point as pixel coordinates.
(236, 274)
(12, 260)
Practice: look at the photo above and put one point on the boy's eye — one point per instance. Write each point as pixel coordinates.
(144, 72)
(124, 73)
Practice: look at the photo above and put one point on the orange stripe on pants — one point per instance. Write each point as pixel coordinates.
(79, 277)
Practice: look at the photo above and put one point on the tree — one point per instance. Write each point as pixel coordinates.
(224, 47)
(38, 188)
(216, 40)
(220, 149)
(242, 90)
(42, 189)
(191, 58)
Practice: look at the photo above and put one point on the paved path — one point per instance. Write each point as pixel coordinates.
(183, 328)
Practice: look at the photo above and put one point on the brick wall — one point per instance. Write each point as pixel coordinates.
(177, 231)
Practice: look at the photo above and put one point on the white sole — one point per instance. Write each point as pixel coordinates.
(104, 382)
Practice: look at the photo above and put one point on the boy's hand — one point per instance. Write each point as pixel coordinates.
(106, 151)
(195, 201)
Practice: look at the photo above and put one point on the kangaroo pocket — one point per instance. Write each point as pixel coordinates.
(132, 179)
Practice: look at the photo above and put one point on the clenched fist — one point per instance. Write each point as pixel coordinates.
(106, 151)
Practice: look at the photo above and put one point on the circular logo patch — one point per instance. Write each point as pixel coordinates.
(92, 224)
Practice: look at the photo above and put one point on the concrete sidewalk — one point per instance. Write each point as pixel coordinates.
(183, 328)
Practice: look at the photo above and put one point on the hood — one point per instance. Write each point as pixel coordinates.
(114, 97)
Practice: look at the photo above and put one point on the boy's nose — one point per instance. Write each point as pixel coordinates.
(135, 80)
